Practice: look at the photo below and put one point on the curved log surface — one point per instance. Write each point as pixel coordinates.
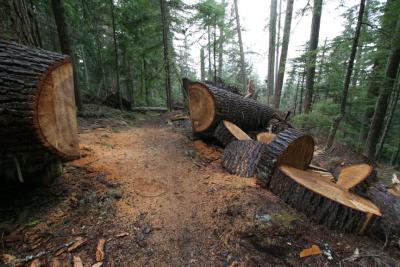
(324, 202)
(37, 104)
(210, 105)
(241, 157)
(291, 147)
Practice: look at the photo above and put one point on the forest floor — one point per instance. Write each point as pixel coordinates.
(158, 198)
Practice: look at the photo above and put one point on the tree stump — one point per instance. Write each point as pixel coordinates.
(37, 108)
(209, 105)
(291, 147)
(241, 157)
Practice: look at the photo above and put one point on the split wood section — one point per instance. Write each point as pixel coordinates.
(209, 105)
(227, 132)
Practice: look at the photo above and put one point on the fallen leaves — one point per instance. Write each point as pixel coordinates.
(80, 241)
(100, 250)
(314, 250)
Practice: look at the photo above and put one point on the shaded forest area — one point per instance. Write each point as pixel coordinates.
(134, 53)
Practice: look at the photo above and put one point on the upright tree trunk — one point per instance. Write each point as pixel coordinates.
(312, 54)
(116, 55)
(282, 61)
(336, 121)
(65, 44)
(239, 33)
(278, 41)
(302, 90)
(387, 24)
(221, 43)
(87, 80)
(165, 27)
(202, 65)
(396, 155)
(215, 51)
(271, 51)
(393, 106)
(209, 75)
(295, 95)
(384, 94)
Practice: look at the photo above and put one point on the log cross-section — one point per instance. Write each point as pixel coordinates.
(37, 105)
(209, 105)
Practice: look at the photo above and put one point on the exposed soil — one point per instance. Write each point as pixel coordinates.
(159, 198)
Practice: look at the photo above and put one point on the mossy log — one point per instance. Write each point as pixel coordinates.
(291, 147)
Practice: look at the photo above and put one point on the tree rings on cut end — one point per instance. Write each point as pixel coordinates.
(201, 107)
(56, 112)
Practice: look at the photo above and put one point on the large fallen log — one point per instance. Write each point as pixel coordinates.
(209, 105)
(37, 108)
(291, 147)
(241, 157)
(227, 132)
(322, 201)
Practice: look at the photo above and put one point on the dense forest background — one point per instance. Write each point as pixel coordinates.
(344, 89)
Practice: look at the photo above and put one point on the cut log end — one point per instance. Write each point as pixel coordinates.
(353, 175)
(266, 137)
(201, 106)
(236, 131)
(56, 112)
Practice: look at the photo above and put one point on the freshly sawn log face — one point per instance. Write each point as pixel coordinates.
(291, 147)
(241, 157)
(322, 201)
(209, 105)
(227, 132)
(37, 106)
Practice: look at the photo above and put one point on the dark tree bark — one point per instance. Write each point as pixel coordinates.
(239, 33)
(271, 51)
(221, 40)
(336, 121)
(384, 94)
(312, 54)
(65, 43)
(19, 23)
(116, 57)
(278, 40)
(282, 61)
(393, 106)
(202, 65)
(165, 27)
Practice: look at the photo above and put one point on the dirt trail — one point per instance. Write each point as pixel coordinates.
(160, 199)
(159, 181)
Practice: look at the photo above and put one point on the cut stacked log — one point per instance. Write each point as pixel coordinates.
(280, 160)
(37, 114)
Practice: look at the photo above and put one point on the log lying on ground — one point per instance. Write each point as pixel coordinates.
(113, 102)
(227, 132)
(241, 157)
(265, 137)
(209, 105)
(322, 201)
(37, 107)
(144, 109)
(291, 147)
(389, 204)
(357, 178)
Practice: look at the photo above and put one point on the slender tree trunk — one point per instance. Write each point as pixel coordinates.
(396, 155)
(336, 121)
(165, 27)
(384, 94)
(302, 89)
(87, 80)
(202, 65)
(221, 43)
(215, 50)
(239, 33)
(278, 41)
(271, 51)
(282, 61)
(393, 106)
(295, 95)
(312, 54)
(65, 43)
(209, 76)
(116, 55)
(387, 24)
